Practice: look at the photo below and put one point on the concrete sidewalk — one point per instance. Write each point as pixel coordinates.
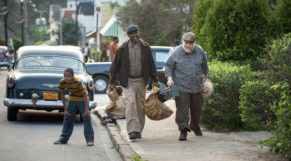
(160, 143)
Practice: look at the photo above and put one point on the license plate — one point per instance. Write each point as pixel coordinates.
(50, 96)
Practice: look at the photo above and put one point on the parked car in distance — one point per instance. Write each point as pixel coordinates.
(100, 71)
(5, 56)
(34, 79)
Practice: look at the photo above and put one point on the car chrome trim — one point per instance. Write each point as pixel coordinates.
(28, 103)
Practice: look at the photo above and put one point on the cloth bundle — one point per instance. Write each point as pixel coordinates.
(154, 108)
(207, 89)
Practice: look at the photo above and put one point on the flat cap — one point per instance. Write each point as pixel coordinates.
(189, 36)
(132, 28)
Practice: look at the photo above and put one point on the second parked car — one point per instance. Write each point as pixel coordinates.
(100, 71)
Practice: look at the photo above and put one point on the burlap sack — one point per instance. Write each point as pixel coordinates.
(113, 96)
(154, 108)
(207, 89)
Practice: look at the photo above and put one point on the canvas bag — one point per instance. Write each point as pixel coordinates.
(207, 89)
(113, 96)
(154, 108)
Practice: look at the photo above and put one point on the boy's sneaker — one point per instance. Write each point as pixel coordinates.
(60, 142)
(90, 144)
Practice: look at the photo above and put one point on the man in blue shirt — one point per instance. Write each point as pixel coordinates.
(187, 68)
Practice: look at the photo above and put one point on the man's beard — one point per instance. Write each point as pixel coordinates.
(135, 39)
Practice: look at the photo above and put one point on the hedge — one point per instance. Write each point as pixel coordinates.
(221, 110)
(256, 99)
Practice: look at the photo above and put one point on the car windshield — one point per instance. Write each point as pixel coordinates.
(49, 63)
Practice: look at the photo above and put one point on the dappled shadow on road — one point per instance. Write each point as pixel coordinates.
(37, 117)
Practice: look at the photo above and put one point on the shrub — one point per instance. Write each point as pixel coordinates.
(236, 29)
(278, 72)
(277, 61)
(256, 99)
(281, 141)
(221, 110)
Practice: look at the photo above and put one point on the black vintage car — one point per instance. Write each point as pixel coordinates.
(32, 82)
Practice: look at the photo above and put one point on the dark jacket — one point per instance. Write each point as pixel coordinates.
(120, 65)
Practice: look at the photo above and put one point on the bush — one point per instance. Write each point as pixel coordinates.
(256, 99)
(278, 65)
(236, 29)
(221, 110)
(277, 61)
(281, 141)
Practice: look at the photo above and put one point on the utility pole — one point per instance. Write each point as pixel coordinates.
(6, 23)
(25, 23)
(22, 23)
(77, 25)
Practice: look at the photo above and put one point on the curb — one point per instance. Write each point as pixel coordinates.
(122, 147)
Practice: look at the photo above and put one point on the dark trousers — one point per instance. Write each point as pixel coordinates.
(184, 101)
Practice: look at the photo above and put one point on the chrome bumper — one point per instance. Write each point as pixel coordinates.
(27, 103)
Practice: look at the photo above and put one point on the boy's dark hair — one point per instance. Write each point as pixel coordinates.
(119, 90)
(114, 38)
(70, 70)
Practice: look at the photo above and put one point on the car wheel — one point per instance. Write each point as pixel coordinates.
(12, 114)
(100, 84)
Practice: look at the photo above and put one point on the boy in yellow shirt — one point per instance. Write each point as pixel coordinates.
(78, 99)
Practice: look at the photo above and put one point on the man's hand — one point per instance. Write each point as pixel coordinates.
(170, 82)
(65, 111)
(157, 84)
(87, 112)
(112, 86)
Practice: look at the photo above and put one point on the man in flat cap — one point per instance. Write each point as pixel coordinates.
(133, 66)
(187, 68)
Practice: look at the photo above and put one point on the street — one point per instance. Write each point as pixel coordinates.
(31, 137)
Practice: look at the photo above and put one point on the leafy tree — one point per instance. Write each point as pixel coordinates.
(236, 29)
(160, 21)
(70, 33)
(200, 12)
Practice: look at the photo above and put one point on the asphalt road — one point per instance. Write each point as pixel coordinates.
(31, 137)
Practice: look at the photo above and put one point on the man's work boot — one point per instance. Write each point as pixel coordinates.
(183, 135)
(198, 132)
(132, 136)
(138, 135)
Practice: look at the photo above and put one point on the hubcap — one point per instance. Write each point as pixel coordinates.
(100, 85)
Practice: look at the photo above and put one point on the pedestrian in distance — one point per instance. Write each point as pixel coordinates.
(105, 53)
(78, 100)
(176, 44)
(113, 47)
(86, 52)
(133, 65)
(187, 68)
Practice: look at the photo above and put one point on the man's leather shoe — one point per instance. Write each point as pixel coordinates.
(198, 132)
(133, 136)
(138, 135)
(183, 135)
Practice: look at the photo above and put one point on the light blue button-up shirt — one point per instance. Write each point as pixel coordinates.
(187, 70)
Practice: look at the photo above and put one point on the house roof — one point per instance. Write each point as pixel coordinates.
(68, 14)
(86, 8)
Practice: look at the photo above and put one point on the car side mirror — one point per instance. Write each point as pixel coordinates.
(10, 66)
